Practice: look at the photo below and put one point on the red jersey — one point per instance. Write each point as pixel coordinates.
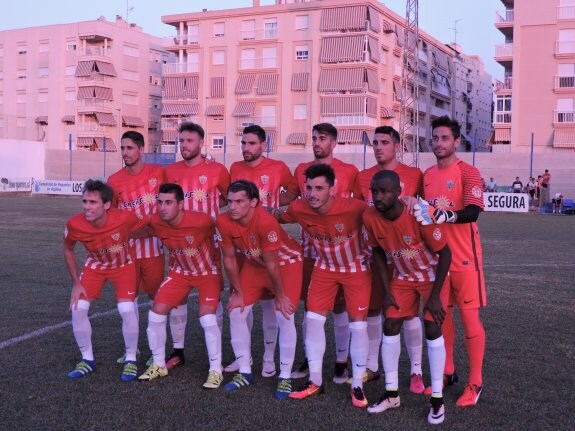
(107, 246)
(190, 244)
(336, 237)
(410, 248)
(262, 233)
(411, 181)
(202, 184)
(139, 193)
(270, 176)
(454, 188)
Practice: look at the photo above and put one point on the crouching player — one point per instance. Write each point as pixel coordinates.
(188, 236)
(104, 232)
(419, 258)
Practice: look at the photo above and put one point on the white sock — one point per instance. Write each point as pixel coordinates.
(157, 337)
(241, 338)
(359, 347)
(213, 338)
(315, 345)
(83, 329)
(374, 333)
(130, 328)
(250, 319)
(342, 334)
(137, 310)
(220, 317)
(288, 340)
(390, 350)
(270, 328)
(436, 355)
(178, 321)
(413, 336)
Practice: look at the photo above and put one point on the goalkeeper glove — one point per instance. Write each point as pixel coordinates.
(426, 214)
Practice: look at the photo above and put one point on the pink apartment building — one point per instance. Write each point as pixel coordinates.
(89, 80)
(291, 65)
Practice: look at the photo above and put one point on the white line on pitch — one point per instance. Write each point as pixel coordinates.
(537, 265)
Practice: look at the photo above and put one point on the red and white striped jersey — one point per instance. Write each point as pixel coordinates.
(263, 233)
(139, 194)
(190, 244)
(202, 184)
(336, 237)
(107, 246)
(270, 176)
(411, 181)
(411, 249)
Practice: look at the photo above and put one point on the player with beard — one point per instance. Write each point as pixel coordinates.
(204, 183)
(270, 177)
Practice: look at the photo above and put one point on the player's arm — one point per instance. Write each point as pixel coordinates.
(283, 303)
(223, 185)
(70, 259)
(426, 214)
(286, 180)
(433, 303)
(380, 263)
(233, 273)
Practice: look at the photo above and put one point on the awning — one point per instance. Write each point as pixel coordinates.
(386, 112)
(84, 68)
(397, 90)
(91, 92)
(440, 59)
(334, 105)
(372, 81)
(170, 136)
(267, 84)
(217, 87)
(244, 109)
(373, 49)
(42, 119)
(339, 49)
(271, 138)
(183, 109)
(341, 79)
(343, 18)
(350, 136)
(130, 121)
(215, 110)
(564, 138)
(110, 146)
(69, 119)
(399, 36)
(192, 86)
(83, 142)
(106, 68)
(245, 84)
(371, 106)
(297, 138)
(386, 27)
(105, 119)
(373, 18)
(299, 81)
(174, 87)
(502, 135)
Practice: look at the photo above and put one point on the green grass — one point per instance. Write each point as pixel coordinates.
(528, 372)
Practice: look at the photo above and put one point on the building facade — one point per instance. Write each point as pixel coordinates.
(80, 85)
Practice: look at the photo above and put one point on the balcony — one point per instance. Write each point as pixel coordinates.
(440, 90)
(566, 12)
(504, 21)
(259, 63)
(439, 112)
(564, 48)
(564, 82)
(502, 118)
(90, 130)
(506, 84)
(264, 121)
(174, 123)
(94, 104)
(350, 120)
(94, 79)
(175, 68)
(175, 42)
(564, 117)
(504, 54)
(259, 34)
(96, 51)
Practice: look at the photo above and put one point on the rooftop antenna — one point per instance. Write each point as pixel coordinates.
(128, 10)
(455, 32)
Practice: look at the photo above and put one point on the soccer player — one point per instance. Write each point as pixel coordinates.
(272, 262)
(386, 144)
(204, 183)
(136, 189)
(324, 141)
(189, 238)
(270, 177)
(419, 263)
(104, 233)
(453, 189)
(334, 228)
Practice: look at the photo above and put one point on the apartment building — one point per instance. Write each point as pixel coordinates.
(82, 84)
(537, 96)
(293, 64)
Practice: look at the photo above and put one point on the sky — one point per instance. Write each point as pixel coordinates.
(476, 32)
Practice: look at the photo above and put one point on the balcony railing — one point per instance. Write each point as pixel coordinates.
(564, 47)
(505, 50)
(438, 112)
(259, 34)
(89, 127)
(94, 78)
(564, 81)
(176, 41)
(506, 84)
(502, 118)
(565, 12)
(505, 16)
(93, 102)
(180, 68)
(440, 89)
(259, 63)
(564, 116)
(174, 123)
(350, 120)
(96, 51)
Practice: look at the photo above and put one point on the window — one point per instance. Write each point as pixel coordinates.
(132, 51)
(566, 43)
(248, 59)
(268, 116)
(218, 57)
(301, 22)
(155, 80)
(270, 28)
(566, 77)
(21, 122)
(70, 94)
(44, 47)
(193, 32)
(217, 143)
(21, 97)
(21, 74)
(301, 52)
(70, 70)
(43, 72)
(22, 50)
(269, 57)
(71, 46)
(219, 29)
(300, 112)
(42, 95)
(249, 29)
(129, 99)
(130, 76)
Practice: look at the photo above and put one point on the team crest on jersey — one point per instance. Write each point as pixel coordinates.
(152, 181)
(338, 239)
(408, 253)
(450, 185)
(148, 198)
(436, 234)
(476, 191)
(339, 227)
(190, 239)
(272, 236)
(203, 179)
(265, 179)
(116, 236)
(253, 239)
(407, 239)
(190, 251)
(199, 195)
(441, 202)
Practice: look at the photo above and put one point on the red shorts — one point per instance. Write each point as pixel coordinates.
(149, 274)
(467, 289)
(407, 296)
(308, 265)
(255, 281)
(176, 287)
(324, 287)
(123, 279)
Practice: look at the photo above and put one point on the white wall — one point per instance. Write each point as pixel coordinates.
(22, 158)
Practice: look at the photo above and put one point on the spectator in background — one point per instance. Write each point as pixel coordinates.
(483, 184)
(531, 189)
(517, 186)
(492, 185)
(557, 203)
(545, 186)
(538, 191)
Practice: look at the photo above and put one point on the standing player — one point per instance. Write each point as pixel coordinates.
(136, 189)
(272, 262)
(419, 260)
(104, 233)
(189, 238)
(324, 141)
(204, 182)
(385, 148)
(270, 177)
(453, 189)
(334, 228)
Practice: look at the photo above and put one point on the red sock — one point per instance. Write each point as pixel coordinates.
(448, 329)
(475, 343)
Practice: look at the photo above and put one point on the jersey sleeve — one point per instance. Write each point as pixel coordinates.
(472, 186)
(224, 180)
(368, 230)
(419, 189)
(269, 233)
(293, 187)
(69, 234)
(289, 215)
(233, 172)
(135, 221)
(223, 235)
(286, 176)
(433, 237)
(357, 193)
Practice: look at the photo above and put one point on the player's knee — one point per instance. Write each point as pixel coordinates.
(126, 308)
(392, 326)
(432, 330)
(471, 321)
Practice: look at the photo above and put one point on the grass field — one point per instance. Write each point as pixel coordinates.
(528, 374)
